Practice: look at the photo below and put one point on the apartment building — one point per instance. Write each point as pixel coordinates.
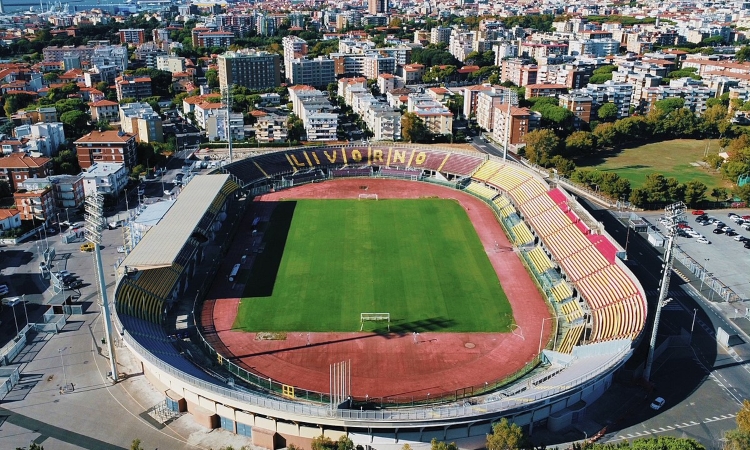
(376, 64)
(594, 47)
(383, 120)
(377, 6)
(19, 167)
(132, 36)
(579, 104)
(43, 138)
(620, 94)
(253, 70)
(294, 48)
(461, 44)
(489, 100)
(141, 119)
(440, 35)
(105, 178)
(67, 190)
(270, 128)
(109, 146)
(173, 64)
(210, 39)
(109, 55)
(37, 205)
(388, 82)
(412, 73)
(519, 72)
(104, 110)
(695, 96)
(437, 118)
(318, 72)
(128, 86)
(312, 107)
(513, 125)
(545, 90)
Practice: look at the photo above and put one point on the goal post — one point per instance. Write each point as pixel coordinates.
(374, 317)
(368, 196)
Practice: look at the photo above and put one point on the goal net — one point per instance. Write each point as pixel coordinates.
(368, 196)
(374, 317)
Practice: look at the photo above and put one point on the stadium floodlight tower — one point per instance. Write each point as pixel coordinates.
(674, 214)
(94, 226)
(228, 92)
(511, 98)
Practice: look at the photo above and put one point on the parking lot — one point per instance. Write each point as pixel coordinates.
(726, 258)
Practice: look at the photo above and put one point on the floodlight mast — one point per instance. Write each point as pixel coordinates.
(674, 213)
(94, 226)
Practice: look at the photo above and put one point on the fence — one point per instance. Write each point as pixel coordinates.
(502, 401)
(9, 377)
(12, 348)
(720, 289)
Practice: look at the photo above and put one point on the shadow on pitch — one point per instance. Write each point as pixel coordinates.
(266, 267)
(398, 329)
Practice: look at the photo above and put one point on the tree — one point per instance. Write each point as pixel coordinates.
(580, 143)
(504, 436)
(295, 128)
(212, 77)
(413, 128)
(541, 145)
(5, 189)
(638, 197)
(695, 191)
(440, 445)
(136, 445)
(66, 162)
(669, 104)
(325, 443)
(607, 112)
(553, 115)
(606, 134)
(743, 54)
(743, 192)
(719, 194)
(743, 416)
(681, 122)
(75, 124)
(713, 118)
(563, 165)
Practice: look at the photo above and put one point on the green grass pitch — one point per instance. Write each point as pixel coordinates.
(327, 261)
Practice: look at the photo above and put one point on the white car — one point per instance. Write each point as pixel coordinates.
(740, 238)
(657, 403)
(121, 249)
(703, 240)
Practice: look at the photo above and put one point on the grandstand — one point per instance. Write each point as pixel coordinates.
(603, 308)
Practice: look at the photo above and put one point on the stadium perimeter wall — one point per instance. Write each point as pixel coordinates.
(276, 422)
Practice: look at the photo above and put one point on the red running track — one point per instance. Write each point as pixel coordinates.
(386, 366)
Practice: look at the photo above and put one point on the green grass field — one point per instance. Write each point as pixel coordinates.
(669, 158)
(327, 261)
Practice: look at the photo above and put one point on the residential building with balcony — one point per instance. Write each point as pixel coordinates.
(313, 108)
(19, 167)
(251, 69)
(37, 205)
(105, 178)
(294, 48)
(318, 72)
(489, 100)
(133, 87)
(437, 118)
(619, 94)
(173, 64)
(132, 36)
(411, 73)
(43, 138)
(579, 104)
(104, 110)
(109, 146)
(270, 128)
(376, 64)
(10, 219)
(67, 189)
(141, 119)
(545, 90)
(514, 125)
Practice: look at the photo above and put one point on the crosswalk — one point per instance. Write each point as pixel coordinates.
(676, 426)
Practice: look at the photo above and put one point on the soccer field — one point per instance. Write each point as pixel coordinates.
(327, 261)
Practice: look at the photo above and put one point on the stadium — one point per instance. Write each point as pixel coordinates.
(390, 293)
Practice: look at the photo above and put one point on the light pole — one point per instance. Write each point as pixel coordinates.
(67, 215)
(14, 318)
(62, 362)
(127, 207)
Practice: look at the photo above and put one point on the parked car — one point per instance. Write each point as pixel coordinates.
(4, 289)
(731, 214)
(702, 240)
(747, 244)
(718, 231)
(740, 238)
(121, 249)
(87, 247)
(745, 217)
(657, 403)
(730, 233)
(698, 212)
